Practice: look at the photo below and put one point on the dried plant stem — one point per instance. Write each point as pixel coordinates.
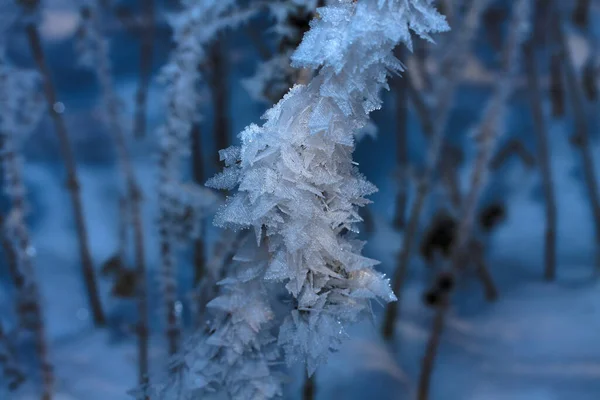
(453, 68)
(11, 258)
(199, 177)
(581, 134)
(308, 390)
(433, 343)
(220, 91)
(543, 155)
(400, 92)
(29, 304)
(9, 368)
(132, 194)
(482, 271)
(167, 252)
(147, 35)
(581, 12)
(512, 147)
(73, 186)
(487, 135)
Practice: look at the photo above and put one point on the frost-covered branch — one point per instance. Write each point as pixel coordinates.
(94, 54)
(194, 28)
(581, 130)
(295, 178)
(299, 190)
(11, 375)
(21, 110)
(452, 68)
(234, 358)
(486, 135)
(275, 76)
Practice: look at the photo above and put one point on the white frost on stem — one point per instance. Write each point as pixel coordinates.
(296, 180)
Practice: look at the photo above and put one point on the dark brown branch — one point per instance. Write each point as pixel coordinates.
(73, 186)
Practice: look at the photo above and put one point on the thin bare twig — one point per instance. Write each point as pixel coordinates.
(400, 92)
(199, 177)
(487, 135)
(543, 155)
(146, 55)
(73, 185)
(309, 388)
(220, 95)
(581, 134)
(453, 69)
(29, 304)
(512, 147)
(132, 196)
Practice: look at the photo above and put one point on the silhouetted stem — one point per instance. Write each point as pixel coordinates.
(73, 186)
(543, 155)
(132, 194)
(11, 258)
(29, 305)
(581, 135)
(482, 271)
(10, 369)
(198, 174)
(167, 255)
(146, 54)
(432, 346)
(557, 95)
(487, 134)
(308, 390)
(453, 69)
(400, 92)
(581, 13)
(512, 147)
(220, 91)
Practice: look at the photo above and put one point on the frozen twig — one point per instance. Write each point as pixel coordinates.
(401, 106)
(452, 69)
(581, 131)
(21, 110)
(543, 154)
(486, 136)
(73, 185)
(147, 36)
(94, 52)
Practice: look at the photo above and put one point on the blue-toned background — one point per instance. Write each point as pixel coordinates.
(539, 340)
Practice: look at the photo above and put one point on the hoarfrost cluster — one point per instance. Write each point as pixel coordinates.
(298, 188)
